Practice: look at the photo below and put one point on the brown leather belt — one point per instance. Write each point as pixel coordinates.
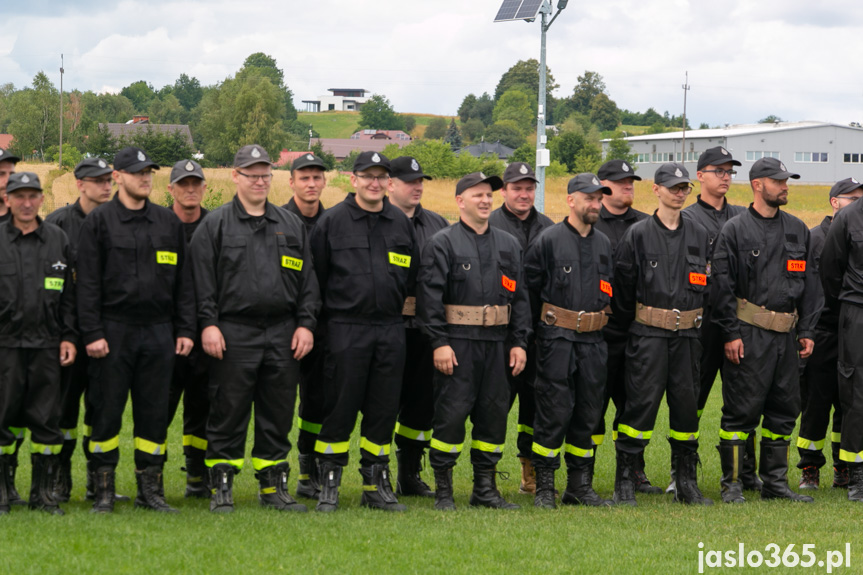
(762, 317)
(410, 307)
(579, 321)
(483, 315)
(670, 319)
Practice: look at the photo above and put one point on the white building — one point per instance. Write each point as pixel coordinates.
(820, 152)
(341, 99)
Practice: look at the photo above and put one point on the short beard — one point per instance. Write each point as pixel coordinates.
(589, 218)
(778, 202)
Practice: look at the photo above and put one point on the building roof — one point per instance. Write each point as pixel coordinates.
(342, 147)
(501, 151)
(129, 130)
(286, 158)
(736, 130)
(6, 141)
(346, 90)
(380, 134)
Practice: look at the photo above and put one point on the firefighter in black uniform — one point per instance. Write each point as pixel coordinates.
(615, 217)
(257, 302)
(660, 278)
(308, 180)
(136, 311)
(473, 305)
(520, 218)
(187, 186)
(819, 377)
(37, 336)
(7, 168)
(711, 209)
(365, 254)
(841, 269)
(93, 179)
(568, 270)
(416, 406)
(765, 287)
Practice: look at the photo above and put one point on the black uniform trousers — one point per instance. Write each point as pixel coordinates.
(570, 389)
(765, 383)
(140, 361)
(522, 386)
(657, 366)
(313, 402)
(477, 389)
(258, 367)
(73, 387)
(363, 372)
(29, 397)
(416, 404)
(819, 392)
(850, 367)
(615, 385)
(712, 359)
(190, 383)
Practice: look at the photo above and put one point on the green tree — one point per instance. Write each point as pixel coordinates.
(378, 114)
(140, 93)
(436, 129)
(473, 129)
(327, 158)
(506, 132)
(453, 136)
(164, 148)
(101, 144)
(658, 127)
(703, 126)
(771, 119)
(566, 146)
(589, 87)
(71, 155)
(265, 65)
(524, 153)
(188, 91)
(410, 123)
(604, 113)
(524, 76)
(7, 90)
(35, 121)
(619, 149)
(588, 159)
(166, 110)
(514, 106)
(466, 107)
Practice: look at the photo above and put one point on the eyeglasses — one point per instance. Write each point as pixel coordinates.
(255, 177)
(142, 174)
(382, 179)
(684, 189)
(720, 173)
(99, 181)
(849, 198)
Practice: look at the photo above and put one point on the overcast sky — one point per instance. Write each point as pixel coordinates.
(746, 58)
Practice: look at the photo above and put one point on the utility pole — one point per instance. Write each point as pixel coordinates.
(686, 89)
(61, 112)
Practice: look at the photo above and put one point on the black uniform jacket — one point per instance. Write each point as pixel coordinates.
(711, 218)
(69, 219)
(829, 320)
(37, 290)
(569, 271)
(525, 231)
(426, 224)
(660, 268)
(842, 258)
(132, 268)
(460, 267)
(366, 262)
(256, 272)
(767, 262)
(292, 207)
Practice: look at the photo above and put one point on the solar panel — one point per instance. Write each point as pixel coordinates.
(508, 10)
(528, 10)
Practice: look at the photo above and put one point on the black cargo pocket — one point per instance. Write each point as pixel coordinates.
(795, 265)
(350, 255)
(696, 273)
(233, 252)
(122, 258)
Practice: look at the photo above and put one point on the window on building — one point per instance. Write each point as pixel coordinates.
(757, 155)
(661, 157)
(642, 159)
(810, 157)
(331, 106)
(852, 158)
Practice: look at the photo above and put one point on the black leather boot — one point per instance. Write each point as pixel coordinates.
(42, 486)
(443, 499)
(748, 476)
(855, 481)
(377, 490)
(544, 497)
(624, 479)
(331, 477)
(485, 493)
(308, 483)
(197, 478)
(150, 491)
(841, 475)
(774, 471)
(579, 485)
(103, 490)
(642, 483)
(90, 493)
(731, 454)
(686, 489)
(274, 489)
(63, 487)
(222, 488)
(409, 480)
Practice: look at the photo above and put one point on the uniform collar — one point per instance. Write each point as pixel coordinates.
(292, 205)
(707, 206)
(825, 223)
(357, 212)
(629, 214)
(241, 212)
(76, 207)
(127, 215)
(14, 233)
(758, 216)
(530, 216)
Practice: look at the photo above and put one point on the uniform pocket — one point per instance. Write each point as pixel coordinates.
(122, 260)
(350, 255)
(696, 273)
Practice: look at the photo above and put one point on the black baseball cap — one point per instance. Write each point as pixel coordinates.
(770, 168)
(407, 169)
(671, 174)
(518, 171)
(8, 157)
(716, 157)
(586, 183)
(616, 170)
(368, 160)
(133, 160)
(186, 169)
(250, 155)
(92, 168)
(23, 181)
(477, 178)
(307, 161)
(845, 186)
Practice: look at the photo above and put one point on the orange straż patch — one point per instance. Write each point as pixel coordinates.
(697, 279)
(797, 265)
(605, 287)
(508, 284)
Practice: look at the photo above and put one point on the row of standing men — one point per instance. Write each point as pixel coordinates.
(258, 296)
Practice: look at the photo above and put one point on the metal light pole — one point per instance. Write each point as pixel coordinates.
(61, 112)
(683, 143)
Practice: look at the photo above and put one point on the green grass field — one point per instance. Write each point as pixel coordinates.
(656, 537)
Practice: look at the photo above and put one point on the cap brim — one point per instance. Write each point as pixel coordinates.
(520, 178)
(675, 181)
(495, 182)
(362, 167)
(622, 176)
(10, 158)
(411, 177)
(252, 163)
(95, 173)
(184, 176)
(591, 189)
(135, 168)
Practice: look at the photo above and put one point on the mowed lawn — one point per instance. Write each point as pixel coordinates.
(656, 537)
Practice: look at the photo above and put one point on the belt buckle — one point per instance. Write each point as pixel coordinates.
(485, 314)
(578, 321)
(550, 317)
(676, 312)
(698, 320)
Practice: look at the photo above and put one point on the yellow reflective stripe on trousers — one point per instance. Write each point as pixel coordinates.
(238, 463)
(374, 448)
(545, 451)
(415, 434)
(597, 439)
(259, 464)
(308, 426)
(733, 435)
(767, 434)
(850, 456)
(614, 435)
(105, 446)
(487, 447)
(809, 444)
(577, 451)
(18, 432)
(634, 433)
(699, 412)
(522, 428)
(332, 448)
(195, 441)
(835, 437)
(69, 434)
(446, 447)
(150, 447)
(88, 430)
(683, 435)
(7, 449)
(45, 449)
